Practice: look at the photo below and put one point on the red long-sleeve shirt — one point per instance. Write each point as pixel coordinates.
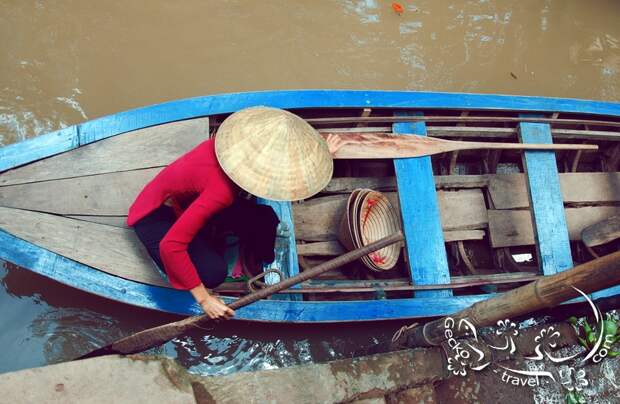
(200, 188)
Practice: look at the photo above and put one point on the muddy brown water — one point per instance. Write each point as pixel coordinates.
(67, 61)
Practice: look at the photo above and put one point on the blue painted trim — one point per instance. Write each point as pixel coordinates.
(547, 206)
(613, 291)
(419, 208)
(38, 147)
(93, 281)
(88, 279)
(122, 122)
(286, 255)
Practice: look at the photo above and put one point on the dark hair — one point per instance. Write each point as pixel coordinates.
(254, 224)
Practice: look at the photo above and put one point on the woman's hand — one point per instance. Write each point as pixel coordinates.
(334, 143)
(215, 308)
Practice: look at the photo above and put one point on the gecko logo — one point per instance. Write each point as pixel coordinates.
(465, 356)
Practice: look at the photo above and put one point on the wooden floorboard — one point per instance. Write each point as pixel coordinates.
(509, 191)
(95, 195)
(109, 249)
(509, 228)
(155, 146)
(319, 219)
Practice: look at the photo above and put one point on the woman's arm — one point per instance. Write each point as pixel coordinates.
(175, 257)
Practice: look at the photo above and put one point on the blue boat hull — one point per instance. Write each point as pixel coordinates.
(91, 280)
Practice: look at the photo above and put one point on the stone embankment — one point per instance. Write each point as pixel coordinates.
(408, 376)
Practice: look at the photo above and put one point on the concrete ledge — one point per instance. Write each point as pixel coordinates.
(161, 380)
(418, 375)
(101, 380)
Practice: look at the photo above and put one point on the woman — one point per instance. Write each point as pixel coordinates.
(267, 152)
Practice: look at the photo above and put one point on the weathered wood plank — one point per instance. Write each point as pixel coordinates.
(509, 228)
(118, 221)
(104, 194)
(321, 248)
(509, 191)
(331, 248)
(107, 248)
(155, 146)
(543, 184)
(602, 232)
(420, 213)
(348, 184)
(318, 219)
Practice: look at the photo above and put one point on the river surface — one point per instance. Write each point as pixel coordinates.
(66, 61)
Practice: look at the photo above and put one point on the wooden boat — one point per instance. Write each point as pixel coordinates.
(466, 215)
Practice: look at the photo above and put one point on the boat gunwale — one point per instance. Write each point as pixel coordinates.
(80, 134)
(74, 274)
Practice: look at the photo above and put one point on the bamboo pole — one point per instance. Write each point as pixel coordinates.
(158, 335)
(545, 292)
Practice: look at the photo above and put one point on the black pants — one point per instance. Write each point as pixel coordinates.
(209, 262)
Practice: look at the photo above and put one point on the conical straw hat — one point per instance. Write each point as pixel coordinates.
(273, 154)
(378, 219)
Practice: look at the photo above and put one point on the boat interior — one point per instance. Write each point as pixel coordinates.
(75, 203)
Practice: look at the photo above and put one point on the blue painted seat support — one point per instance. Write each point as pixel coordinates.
(425, 248)
(286, 249)
(547, 206)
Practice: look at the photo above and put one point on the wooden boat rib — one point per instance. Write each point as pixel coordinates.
(64, 197)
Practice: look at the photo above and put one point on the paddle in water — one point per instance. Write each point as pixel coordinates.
(158, 335)
(391, 146)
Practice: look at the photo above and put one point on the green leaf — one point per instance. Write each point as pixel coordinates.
(591, 337)
(573, 320)
(583, 342)
(572, 398)
(613, 354)
(610, 327)
(586, 327)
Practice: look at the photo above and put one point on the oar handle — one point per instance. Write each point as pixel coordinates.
(526, 146)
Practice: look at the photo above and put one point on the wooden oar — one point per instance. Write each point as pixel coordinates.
(389, 145)
(158, 335)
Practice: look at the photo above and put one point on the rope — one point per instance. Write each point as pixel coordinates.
(399, 333)
(261, 285)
